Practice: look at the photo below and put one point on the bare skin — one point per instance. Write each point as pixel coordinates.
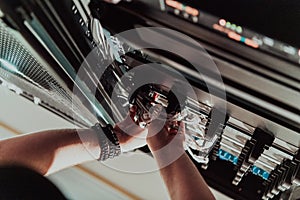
(180, 175)
(47, 151)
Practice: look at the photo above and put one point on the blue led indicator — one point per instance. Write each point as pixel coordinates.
(255, 170)
(243, 39)
(265, 175)
(224, 155)
(260, 172)
(235, 160)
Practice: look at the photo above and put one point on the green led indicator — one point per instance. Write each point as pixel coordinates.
(228, 24)
(239, 29)
(233, 27)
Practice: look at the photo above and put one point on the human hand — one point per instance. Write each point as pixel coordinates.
(161, 134)
(130, 135)
(164, 133)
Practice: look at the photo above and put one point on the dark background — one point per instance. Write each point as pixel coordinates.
(278, 19)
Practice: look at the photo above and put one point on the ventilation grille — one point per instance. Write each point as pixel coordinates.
(17, 63)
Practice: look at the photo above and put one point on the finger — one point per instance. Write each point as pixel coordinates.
(173, 128)
(158, 123)
(156, 112)
(181, 129)
(133, 108)
(132, 111)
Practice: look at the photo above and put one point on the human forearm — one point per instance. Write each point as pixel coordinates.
(184, 181)
(49, 151)
(180, 175)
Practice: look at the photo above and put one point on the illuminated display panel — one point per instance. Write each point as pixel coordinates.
(277, 19)
(269, 27)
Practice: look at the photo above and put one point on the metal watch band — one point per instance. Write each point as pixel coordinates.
(110, 134)
(108, 141)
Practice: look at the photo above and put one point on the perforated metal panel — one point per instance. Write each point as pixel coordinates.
(21, 72)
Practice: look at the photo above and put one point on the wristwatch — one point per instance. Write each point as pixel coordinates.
(108, 141)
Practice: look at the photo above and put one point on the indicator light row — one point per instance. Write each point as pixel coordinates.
(235, 36)
(183, 8)
(231, 26)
